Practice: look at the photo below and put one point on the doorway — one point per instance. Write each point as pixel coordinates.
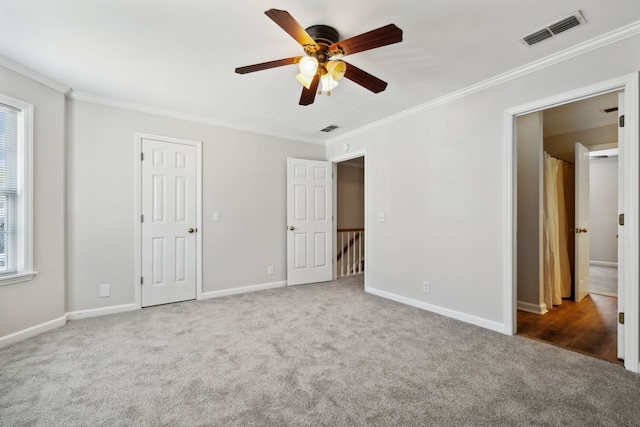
(350, 237)
(571, 312)
(517, 231)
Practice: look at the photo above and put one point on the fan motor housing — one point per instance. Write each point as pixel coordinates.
(323, 35)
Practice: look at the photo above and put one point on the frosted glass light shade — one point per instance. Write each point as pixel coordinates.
(304, 80)
(327, 83)
(308, 66)
(336, 69)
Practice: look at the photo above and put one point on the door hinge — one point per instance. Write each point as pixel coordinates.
(621, 121)
(141, 280)
(141, 157)
(141, 218)
(621, 318)
(621, 219)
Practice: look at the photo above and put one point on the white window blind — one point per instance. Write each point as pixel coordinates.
(11, 133)
(16, 191)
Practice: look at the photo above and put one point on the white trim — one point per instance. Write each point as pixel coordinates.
(367, 252)
(532, 308)
(474, 320)
(139, 136)
(32, 331)
(564, 55)
(95, 312)
(110, 102)
(604, 263)
(33, 75)
(243, 290)
(17, 278)
(630, 84)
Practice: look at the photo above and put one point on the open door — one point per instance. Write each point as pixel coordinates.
(581, 265)
(621, 258)
(309, 221)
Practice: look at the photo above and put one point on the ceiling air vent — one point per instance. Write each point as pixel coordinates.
(329, 128)
(554, 29)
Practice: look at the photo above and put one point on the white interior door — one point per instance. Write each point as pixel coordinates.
(169, 222)
(581, 264)
(621, 258)
(309, 221)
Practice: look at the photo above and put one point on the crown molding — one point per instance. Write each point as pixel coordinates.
(33, 75)
(110, 102)
(556, 58)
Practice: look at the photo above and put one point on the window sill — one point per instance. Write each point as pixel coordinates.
(17, 278)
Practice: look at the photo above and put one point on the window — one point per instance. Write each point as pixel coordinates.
(15, 191)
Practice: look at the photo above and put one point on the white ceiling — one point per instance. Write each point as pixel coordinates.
(180, 56)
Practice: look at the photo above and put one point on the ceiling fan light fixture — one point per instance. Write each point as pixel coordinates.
(308, 66)
(304, 80)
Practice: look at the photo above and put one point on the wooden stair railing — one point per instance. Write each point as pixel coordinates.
(353, 265)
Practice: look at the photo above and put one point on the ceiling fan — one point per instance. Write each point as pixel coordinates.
(321, 65)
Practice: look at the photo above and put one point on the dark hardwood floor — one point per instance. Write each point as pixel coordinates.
(589, 326)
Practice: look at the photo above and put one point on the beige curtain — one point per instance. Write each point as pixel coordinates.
(556, 226)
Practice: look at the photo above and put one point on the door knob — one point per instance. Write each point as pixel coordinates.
(581, 230)
(191, 230)
(292, 228)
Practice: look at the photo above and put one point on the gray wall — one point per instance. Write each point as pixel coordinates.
(438, 175)
(603, 210)
(27, 304)
(350, 198)
(244, 177)
(530, 195)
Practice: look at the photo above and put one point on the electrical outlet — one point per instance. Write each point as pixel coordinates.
(105, 291)
(425, 286)
(270, 270)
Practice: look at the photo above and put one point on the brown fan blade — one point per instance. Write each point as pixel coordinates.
(309, 95)
(292, 27)
(376, 38)
(364, 79)
(267, 65)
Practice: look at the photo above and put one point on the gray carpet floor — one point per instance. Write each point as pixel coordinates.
(603, 280)
(316, 355)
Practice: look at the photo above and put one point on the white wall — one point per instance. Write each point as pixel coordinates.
(29, 304)
(448, 228)
(244, 177)
(603, 209)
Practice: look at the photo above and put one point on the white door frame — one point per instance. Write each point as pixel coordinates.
(139, 136)
(631, 163)
(367, 253)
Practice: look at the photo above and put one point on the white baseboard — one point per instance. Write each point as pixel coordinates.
(604, 263)
(242, 290)
(478, 321)
(32, 331)
(532, 308)
(94, 312)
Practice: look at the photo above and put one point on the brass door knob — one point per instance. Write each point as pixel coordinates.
(191, 230)
(292, 228)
